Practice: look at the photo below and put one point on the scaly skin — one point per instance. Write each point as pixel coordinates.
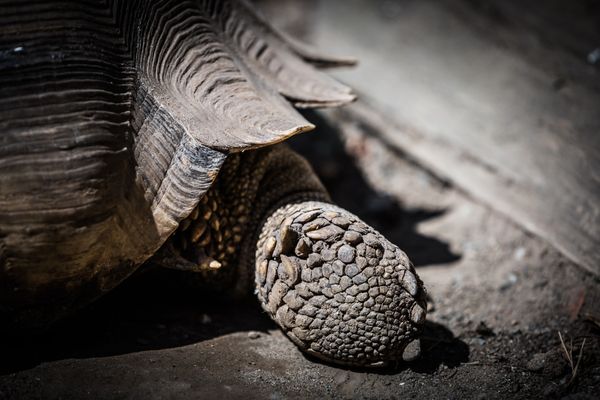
(337, 288)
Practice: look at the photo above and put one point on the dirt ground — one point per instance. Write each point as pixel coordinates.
(499, 299)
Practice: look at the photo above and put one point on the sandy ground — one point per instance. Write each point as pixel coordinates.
(499, 298)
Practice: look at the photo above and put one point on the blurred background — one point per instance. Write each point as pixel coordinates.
(475, 146)
(501, 98)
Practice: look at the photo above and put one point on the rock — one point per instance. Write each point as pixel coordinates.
(551, 363)
(483, 330)
(537, 362)
(253, 335)
(510, 281)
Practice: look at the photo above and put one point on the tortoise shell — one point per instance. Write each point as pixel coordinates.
(115, 117)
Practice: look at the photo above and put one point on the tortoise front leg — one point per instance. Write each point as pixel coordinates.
(336, 287)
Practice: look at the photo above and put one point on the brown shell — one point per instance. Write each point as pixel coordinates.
(115, 117)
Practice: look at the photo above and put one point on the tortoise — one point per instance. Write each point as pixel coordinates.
(149, 130)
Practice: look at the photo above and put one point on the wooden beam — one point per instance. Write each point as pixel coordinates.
(515, 126)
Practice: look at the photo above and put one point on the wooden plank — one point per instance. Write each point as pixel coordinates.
(502, 122)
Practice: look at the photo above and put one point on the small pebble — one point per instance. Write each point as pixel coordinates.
(537, 362)
(594, 56)
(253, 335)
(520, 253)
(484, 330)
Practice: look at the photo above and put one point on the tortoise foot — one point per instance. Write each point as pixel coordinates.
(337, 288)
